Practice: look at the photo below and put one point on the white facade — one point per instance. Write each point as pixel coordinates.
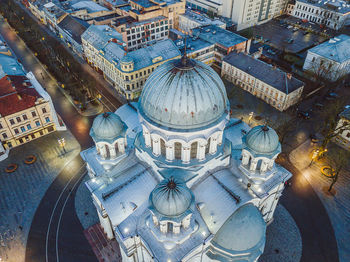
(343, 130)
(333, 14)
(331, 59)
(244, 13)
(185, 181)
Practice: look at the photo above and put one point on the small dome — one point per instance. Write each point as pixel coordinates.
(243, 230)
(184, 94)
(171, 197)
(107, 127)
(262, 139)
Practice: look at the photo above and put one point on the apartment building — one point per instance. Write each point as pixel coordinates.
(277, 88)
(104, 49)
(245, 13)
(198, 49)
(333, 14)
(331, 59)
(26, 109)
(224, 41)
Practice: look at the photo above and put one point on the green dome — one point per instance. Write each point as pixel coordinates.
(107, 127)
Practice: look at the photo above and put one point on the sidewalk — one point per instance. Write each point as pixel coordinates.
(338, 206)
(22, 190)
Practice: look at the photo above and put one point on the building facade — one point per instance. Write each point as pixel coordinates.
(272, 85)
(26, 109)
(172, 175)
(343, 137)
(104, 49)
(244, 13)
(333, 14)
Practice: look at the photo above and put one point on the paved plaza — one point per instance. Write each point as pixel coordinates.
(338, 206)
(22, 190)
(243, 104)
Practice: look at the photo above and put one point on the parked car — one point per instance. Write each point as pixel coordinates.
(303, 114)
(347, 106)
(305, 32)
(332, 96)
(290, 26)
(319, 105)
(295, 29)
(270, 51)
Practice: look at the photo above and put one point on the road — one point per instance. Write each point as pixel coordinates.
(55, 226)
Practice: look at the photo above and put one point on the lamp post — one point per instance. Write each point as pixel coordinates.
(62, 143)
(251, 114)
(314, 156)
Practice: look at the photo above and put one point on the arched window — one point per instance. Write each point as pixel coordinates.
(194, 147)
(177, 147)
(108, 155)
(207, 146)
(170, 227)
(162, 147)
(116, 147)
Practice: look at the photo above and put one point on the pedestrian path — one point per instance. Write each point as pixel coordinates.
(22, 190)
(338, 206)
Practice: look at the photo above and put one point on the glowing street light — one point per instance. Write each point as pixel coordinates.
(62, 143)
(251, 114)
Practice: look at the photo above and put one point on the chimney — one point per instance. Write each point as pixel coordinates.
(289, 76)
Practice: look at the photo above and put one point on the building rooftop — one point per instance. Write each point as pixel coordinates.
(16, 94)
(338, 6)
(90, 6)
(217, 35)
(264, 72)
(192, 44)
(74, 26)
(336, 49)
(138, 23)
(116, 3)
(345, 114)
(10, 66)
(144, 57)
(201, 19)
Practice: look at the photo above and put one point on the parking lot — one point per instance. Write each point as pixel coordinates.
(290, 39)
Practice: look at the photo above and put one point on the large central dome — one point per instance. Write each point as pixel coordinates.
(184, 94)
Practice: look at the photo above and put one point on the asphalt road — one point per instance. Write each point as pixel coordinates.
(56, 234)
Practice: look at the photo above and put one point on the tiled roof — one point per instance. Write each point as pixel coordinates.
(264, 72)
(16, 94)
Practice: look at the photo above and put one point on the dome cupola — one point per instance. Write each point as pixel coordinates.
(262, 140)
(107, 127)
(184, 94)
(171, 197)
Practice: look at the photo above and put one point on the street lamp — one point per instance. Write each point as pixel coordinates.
(62, 143)
(251, 114)
(314, 156)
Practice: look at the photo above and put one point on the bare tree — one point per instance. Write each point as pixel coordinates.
(338, 159)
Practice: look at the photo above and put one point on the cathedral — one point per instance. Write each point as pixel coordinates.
(174, 178)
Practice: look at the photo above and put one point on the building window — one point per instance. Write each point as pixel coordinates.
(9, 144)
(23, 129)
(47, 119)
(44, 110)
(12, 122)
(33, 114)
(1, 127)
(25, 117)
(29, 127)
(18, 119)
(4, 135)
(20, 140)
(16, 131)
(37, 123)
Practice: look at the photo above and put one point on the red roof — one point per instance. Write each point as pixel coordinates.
(16, 94)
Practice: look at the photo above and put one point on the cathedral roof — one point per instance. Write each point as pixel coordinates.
(184, 94)
(107, 127)
(262, 140)
(243, 231)
(171, 197)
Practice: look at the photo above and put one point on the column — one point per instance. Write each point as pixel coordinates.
(186, 221)
(105, 223)
(163, 227)
(176, 228)
(169, 147)
(270, 164)
(147, 137)
(245, 159)
(103, 151)
(219, 138)
(201, 151)
(213, 145)
(112, 151)
(263, 166)
(156, 146)
(186, 154)
(121, 146)
(253, 164)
